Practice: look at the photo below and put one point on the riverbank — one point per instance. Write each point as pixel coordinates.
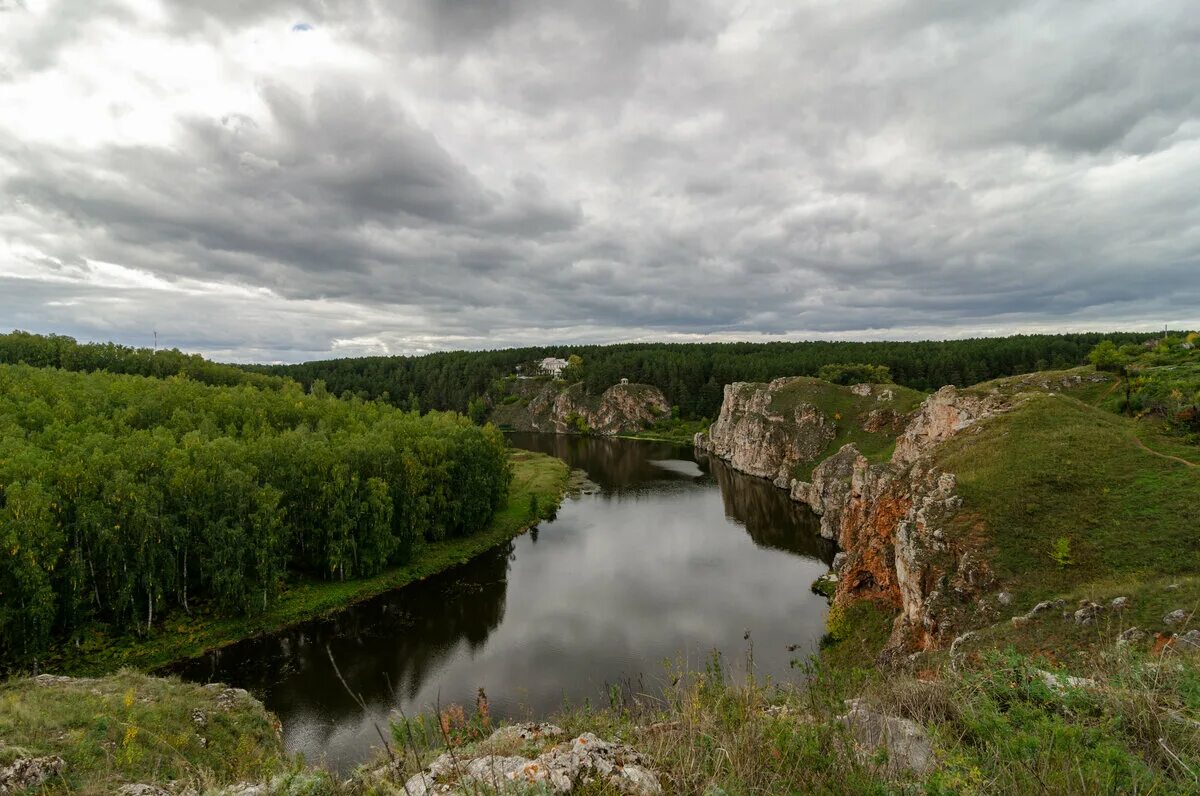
(990, 722)
(538, 485)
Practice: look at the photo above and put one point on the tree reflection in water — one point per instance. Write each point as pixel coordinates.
(675, 556)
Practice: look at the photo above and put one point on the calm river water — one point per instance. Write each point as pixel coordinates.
(673, 556)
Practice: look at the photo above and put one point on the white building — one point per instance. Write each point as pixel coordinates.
(552, 366)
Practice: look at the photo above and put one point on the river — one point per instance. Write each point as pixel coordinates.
(672, 555)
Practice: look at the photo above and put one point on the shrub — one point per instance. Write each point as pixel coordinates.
(855, 373)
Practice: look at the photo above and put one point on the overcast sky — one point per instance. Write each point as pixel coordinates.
(288, 180)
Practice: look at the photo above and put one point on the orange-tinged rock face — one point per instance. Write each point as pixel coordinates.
(868, 533)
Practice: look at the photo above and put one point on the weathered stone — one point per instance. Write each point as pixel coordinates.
(758, 439)
(1176, 617)
(1004, 598)
(29, 772)
(529, 731)
(838, 561)
(228, 698)
(587, 757)
(553, 406)
(1060, 682)
(142, 789)
(1119, 603)
(891, 520)
(579, 761)
(907, 746)
(621, 409)
(1189, 641)
(247, 789)
(1087, 613)
(942, 415)
(1130, 635)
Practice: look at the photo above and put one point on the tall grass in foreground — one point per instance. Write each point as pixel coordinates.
(1000, 723)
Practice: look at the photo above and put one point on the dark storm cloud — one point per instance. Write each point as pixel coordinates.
(441, 174)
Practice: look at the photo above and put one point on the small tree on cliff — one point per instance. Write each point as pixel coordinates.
(573, 372)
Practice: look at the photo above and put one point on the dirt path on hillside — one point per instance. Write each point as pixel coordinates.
(1148, 449)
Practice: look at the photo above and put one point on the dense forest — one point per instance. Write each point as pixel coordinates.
(122, 497)
(60, 351)
(693, 375)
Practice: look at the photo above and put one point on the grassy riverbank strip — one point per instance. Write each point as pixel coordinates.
(180, 637)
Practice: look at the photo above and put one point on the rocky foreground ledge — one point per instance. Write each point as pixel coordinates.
(506, 762)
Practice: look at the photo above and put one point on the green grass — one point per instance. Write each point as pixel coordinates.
(132, 728)
(1057, 468)
(1049, 635)
(672, 430)
(1084, 383)
(856, 634)
(994, 724)
(179, 637)
(848, 412)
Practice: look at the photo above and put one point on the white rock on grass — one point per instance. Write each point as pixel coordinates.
(1130, 636)
(1087, 613)
(906, 744)
(529, 731)
(1176, 617)
(581, 760)
(142, 789)
(29, 772)
(1059, 682)
(1188, 641)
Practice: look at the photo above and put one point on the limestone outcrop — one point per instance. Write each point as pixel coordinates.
(761, 438)
(555, 407)
(891, 519)
(580, 762)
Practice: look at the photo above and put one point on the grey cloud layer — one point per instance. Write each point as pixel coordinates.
(604, 171)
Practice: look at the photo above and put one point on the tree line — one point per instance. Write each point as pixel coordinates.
(693, 375)
(122, 497)
(60, 351)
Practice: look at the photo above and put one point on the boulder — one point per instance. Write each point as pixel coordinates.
(580, 761)
(1176, 617)
(1130, 636)
(1087, 613)
(526, 732)
(1119, 603)
(1189, 641)
(29, 772)
(1060, 682)
(905, 742)
(142, 789)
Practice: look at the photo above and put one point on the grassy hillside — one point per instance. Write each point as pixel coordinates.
(1057, 469)
(872, 422)
(130, 728)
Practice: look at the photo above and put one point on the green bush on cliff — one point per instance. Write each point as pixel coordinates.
(855, 373)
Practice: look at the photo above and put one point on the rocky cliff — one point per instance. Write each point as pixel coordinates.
(758, 436)
(891, 516)
(555, 407)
